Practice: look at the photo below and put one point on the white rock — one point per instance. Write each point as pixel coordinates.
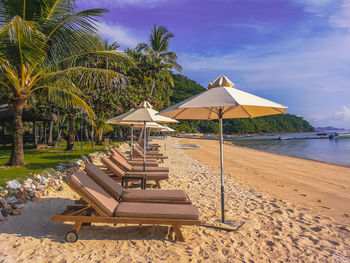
(13, 184)
(20, 206)
(45, 180)
(11, 200)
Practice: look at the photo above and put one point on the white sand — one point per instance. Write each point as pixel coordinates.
(275, 230)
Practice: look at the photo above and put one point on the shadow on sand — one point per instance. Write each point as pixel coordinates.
(35, 222)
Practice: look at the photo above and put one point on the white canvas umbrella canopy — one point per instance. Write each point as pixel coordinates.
(145, 113)
(223, 101)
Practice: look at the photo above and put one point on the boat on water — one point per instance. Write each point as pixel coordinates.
(339, 135)
(284, 138)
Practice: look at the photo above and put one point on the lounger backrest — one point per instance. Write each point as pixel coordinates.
(138, 151)
(93, 193)
(103, 180)
(112, 151)
(121, 163)
(117, 151)
(115, 169)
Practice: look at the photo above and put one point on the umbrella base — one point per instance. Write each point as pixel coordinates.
(228, 225)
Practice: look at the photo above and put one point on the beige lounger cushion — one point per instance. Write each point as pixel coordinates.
(119, 172)
(150, 169)
(103, 180)
(94, 192)
(112, 167)
(166, 211)
(153, 175)
(153, 195)
(121, 163)
(128, 168)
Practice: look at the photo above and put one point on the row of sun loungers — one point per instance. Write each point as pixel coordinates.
(104, 200)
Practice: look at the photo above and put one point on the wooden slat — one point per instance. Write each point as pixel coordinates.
(124, 220)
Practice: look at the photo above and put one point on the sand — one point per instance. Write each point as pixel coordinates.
(276, 229)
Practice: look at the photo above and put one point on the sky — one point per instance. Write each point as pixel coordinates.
(294, 52)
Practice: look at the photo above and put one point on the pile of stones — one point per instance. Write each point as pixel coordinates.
(17, 193)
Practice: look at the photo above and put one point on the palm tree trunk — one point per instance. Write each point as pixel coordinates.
(17, 155)
(153, 85)
(50, 133)
(60, 128)
(71, 134)
(86, 133)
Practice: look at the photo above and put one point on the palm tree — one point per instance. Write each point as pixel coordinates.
(159, 42)
(158, 50)
(46, 45)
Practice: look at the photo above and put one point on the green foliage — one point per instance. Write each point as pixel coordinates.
(208, 127)
(37, 160)
(267, 124)
(184, 88)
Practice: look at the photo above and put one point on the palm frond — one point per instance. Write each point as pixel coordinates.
(64, 98)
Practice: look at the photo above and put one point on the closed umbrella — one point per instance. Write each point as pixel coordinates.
(223, 101)
(166, 130)
(144, 114)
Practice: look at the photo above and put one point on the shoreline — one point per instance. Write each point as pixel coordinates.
(311, 183)
(293, 156)
(229, 142)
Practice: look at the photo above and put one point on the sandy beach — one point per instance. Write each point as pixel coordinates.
(276, 196)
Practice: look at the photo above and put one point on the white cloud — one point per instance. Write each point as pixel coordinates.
(320, 61)
(343, 115)
(340, 119)
(342, 19)
(123, 36)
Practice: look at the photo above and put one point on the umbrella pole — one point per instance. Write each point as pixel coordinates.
(144, 146)
(222, 168)
(131, 141)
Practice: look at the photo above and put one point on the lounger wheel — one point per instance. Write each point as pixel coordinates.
(71, 237)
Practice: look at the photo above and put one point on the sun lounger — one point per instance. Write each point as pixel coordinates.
(134, 162)
(130, 168)
(106, 209)
(119, 173)
(134, 195)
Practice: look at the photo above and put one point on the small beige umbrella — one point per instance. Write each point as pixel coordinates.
(223, 101)
(144, 114)
(151, 125)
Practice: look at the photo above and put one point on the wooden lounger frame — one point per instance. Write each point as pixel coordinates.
(119, 178)
(74, 214)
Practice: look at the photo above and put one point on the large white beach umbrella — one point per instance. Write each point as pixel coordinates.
(144, 114)
(223, 101)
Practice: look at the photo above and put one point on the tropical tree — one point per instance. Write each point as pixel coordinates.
(158, 50)
(46, 45)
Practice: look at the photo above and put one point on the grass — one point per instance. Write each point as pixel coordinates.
(38, 160)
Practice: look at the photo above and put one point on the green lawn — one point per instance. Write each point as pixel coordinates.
(37, 160)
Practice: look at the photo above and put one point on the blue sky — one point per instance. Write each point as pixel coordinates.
(295, 52)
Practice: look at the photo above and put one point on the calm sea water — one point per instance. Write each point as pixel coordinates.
(331, 151)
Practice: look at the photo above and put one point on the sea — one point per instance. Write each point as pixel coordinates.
(306, 145)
